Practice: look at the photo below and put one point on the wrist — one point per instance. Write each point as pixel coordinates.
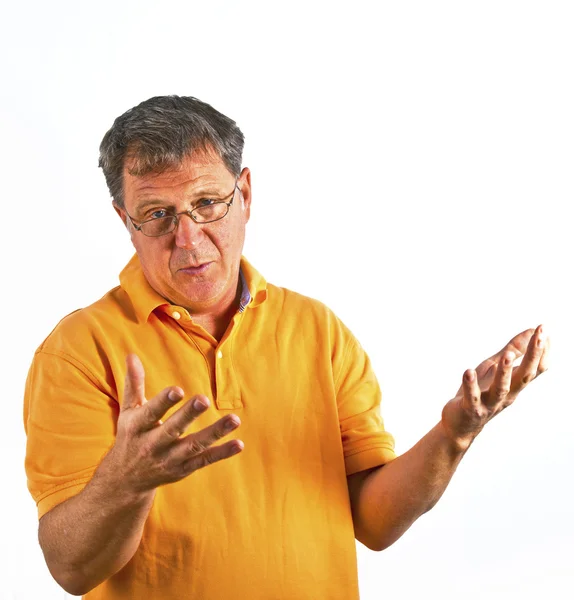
(114, 485)
(456, 442)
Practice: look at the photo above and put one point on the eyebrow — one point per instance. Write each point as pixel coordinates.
(150, 202)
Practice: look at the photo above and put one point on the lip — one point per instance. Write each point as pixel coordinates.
(195, 270)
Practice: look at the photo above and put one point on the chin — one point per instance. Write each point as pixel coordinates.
(202, 292)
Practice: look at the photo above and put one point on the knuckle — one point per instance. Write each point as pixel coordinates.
(149, 412)
(475, 400)
(147, 450)
(219, 432)
(198, 462)
(185, 415)
(196, 446)
(183, 470)
(172, 433)
(476, 413)
(527, 378)
(129, 427)
(207, 458)
(496, 399)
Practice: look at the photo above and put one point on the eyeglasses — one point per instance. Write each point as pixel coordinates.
(204, 213)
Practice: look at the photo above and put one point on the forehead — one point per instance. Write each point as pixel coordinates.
(200, 171)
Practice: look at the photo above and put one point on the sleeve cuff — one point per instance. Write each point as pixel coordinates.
(369, 458)
(47, 503)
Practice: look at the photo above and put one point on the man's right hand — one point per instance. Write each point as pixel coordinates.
(92, 535)
(148, 452)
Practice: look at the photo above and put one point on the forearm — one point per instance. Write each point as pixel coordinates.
(91, 536)
(393, 497)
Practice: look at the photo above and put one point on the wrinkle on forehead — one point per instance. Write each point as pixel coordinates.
(170, 172)
(140, 164)
(197, 176)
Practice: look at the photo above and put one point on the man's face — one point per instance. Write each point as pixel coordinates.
(196, 265)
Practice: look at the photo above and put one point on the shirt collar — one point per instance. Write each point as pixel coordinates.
(145, 299)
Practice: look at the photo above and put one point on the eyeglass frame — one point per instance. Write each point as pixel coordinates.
(189, 213)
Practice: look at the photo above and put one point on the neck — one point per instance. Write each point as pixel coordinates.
(216, 322)
(216, 325)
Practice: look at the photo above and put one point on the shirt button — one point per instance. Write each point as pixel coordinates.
(220, 354)
(176, 315)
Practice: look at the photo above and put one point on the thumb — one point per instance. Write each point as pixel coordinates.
(134, 388)
(518, 344)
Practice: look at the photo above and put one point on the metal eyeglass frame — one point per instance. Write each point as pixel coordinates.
(175, 217)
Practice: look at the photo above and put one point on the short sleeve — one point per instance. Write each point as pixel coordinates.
(366, 444)
(70, 424)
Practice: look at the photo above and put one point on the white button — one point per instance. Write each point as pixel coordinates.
(176, 315)
(220, 354)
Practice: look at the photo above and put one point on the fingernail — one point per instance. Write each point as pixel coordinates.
(238, 448)
(509, 359)
(231, 423)
(174, 396)
(200, 404)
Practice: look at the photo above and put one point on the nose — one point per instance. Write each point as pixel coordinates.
(188, 234)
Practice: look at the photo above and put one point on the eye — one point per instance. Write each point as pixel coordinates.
(206, 202)
(157, 214)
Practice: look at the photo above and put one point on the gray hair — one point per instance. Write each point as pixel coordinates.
(159, 133)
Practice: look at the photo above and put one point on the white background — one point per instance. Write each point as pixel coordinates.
(412, 168)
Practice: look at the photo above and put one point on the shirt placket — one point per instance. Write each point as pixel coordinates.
(228, 392)
(218, 356)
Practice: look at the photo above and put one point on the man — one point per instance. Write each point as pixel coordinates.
(137, 497)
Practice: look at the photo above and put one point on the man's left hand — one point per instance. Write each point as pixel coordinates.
(494, 385)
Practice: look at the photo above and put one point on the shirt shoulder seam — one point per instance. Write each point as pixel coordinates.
(75, 363)
(350, 342)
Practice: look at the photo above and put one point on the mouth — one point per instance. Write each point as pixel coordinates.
(195, 270)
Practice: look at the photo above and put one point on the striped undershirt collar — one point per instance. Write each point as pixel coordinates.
(245, 293)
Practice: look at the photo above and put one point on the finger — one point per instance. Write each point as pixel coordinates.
(212, 455)
(134, 386)
(518, 344)
(176, 425)
(199, 442)
(529, 368)
(470, 390)
(500, 387)
(543, 364)
(485, 372)
(152, 412)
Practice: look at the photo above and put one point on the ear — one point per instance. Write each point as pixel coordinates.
(122, 214)
(245, 186)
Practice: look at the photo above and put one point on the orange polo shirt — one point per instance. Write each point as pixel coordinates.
(273, 522)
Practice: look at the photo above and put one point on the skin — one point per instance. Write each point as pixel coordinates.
(89, 537)
(99, 535)
(211, 297)
(387, 500)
